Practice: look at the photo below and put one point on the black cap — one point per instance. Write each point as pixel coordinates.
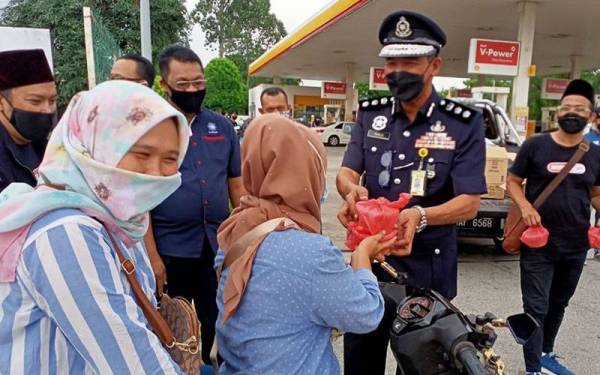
(23, 67)
(582, 88)
(409, 34)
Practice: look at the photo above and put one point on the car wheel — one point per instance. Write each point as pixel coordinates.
(333, 141)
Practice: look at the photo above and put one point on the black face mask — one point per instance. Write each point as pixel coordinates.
(188, 102)
(33, 126)
(405, 86)
(572, 123)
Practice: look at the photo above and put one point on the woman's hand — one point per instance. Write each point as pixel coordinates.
(373, 247)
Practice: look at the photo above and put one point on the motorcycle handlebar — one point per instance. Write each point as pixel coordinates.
(467, 355)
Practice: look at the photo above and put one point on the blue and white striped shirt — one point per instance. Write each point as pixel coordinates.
(71, 309)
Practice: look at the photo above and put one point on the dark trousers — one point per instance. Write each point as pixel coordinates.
(367, 353)
(548, 281)
(196, 280)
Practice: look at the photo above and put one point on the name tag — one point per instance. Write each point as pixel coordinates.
(378, 135)
(417, 183)
(213, 138)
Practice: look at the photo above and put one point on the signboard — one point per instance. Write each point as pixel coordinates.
(333, 90)
(553, 88)
(377, 79)
(464, 93)
(26, 38)
(494, 57)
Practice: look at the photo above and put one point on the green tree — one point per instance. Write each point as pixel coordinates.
(64, 18)
(535, 102)
(241, 30)
(364, 92)
(226, 91)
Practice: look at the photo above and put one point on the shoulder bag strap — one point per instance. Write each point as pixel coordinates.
(240, 246)
(157, 323)
(583, 148)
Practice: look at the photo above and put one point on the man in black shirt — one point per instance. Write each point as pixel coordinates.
(549, 275)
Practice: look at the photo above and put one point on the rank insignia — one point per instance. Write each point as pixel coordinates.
(438, 127)
(439, 141)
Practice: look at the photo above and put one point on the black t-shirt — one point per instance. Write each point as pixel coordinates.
(566, 213)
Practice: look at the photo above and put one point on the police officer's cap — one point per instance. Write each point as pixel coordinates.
(410, 34)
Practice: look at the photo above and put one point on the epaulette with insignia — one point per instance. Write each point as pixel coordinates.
(457, 110)
(374, 104)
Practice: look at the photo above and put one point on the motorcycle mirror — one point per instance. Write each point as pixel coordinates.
(522, 327)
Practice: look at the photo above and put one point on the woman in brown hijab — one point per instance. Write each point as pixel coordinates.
(285, 286)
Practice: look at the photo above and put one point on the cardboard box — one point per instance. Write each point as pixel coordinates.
(496, 168)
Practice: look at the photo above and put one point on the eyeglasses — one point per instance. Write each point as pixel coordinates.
(386, 174)
(578, 109)
(197, 84)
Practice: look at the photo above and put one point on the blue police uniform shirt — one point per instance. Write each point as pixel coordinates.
(17, 162)
(194, 212)
(453, 135)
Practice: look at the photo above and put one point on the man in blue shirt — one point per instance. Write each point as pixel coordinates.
(27, 113)
(184, 226)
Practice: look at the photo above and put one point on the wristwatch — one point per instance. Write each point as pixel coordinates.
(423, 221)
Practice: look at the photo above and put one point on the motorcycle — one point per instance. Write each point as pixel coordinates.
(429, 335)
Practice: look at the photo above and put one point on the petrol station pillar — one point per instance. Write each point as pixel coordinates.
(520, 89)
(575, 66)
(350, 92)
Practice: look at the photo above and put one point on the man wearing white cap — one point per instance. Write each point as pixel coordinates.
(419, 143)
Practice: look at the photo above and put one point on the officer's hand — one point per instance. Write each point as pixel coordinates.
(407, 226)
(530, 215)
(375, 247)
(348, 211)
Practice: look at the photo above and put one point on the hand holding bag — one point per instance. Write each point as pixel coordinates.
(515, 226)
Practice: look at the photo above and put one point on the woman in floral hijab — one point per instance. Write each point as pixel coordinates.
(66, 304)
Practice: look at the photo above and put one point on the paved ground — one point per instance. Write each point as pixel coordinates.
(490, 282)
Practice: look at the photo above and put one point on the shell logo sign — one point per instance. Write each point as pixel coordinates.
(495, 57)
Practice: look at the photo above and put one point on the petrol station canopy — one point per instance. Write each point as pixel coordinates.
(566, 36)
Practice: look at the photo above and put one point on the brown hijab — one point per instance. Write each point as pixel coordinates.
(283, 172)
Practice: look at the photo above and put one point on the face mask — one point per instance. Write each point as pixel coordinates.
(572, 123)
(126, 194)
(188, 102)
(405, 86)
(33, 126)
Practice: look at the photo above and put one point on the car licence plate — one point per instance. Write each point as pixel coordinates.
(485, 223)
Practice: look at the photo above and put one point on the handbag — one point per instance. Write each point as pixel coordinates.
(175, 322)
(515, 226)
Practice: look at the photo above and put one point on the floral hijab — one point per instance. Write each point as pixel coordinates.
(79, 168)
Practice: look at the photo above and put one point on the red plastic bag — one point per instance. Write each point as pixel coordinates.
(594, 237)
(375, 215)
(535, 237)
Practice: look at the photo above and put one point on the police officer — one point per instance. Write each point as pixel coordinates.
(413, 142)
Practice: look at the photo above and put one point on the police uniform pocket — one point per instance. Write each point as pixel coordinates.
(374, 149)
(437, 165)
